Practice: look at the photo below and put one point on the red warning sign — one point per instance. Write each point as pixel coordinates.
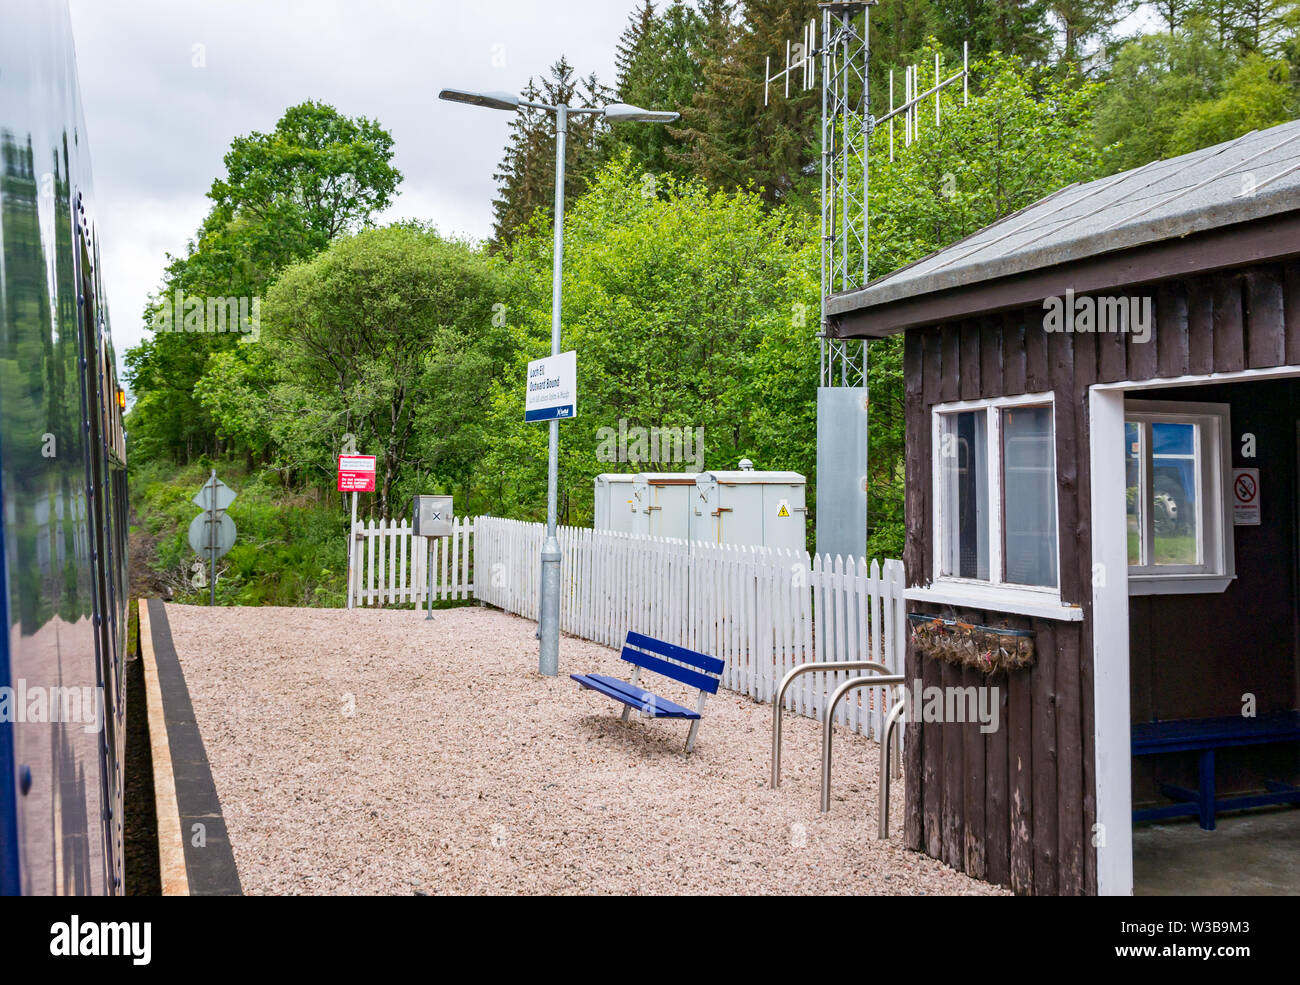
(1245, 497)
(356, 473)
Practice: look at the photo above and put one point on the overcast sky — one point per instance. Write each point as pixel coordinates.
(161, 112)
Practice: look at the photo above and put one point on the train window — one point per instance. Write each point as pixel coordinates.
(995, 493)
(1179, 530)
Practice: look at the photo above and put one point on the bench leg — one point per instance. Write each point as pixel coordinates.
(690, 736)
(1205, 790)
(636, 682)
(695, 725)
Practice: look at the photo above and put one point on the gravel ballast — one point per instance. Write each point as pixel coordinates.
(373, 751)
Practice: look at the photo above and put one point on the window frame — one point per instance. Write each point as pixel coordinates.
(1217, 568)
(953, 586)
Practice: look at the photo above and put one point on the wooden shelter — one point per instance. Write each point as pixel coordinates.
(1073, 477)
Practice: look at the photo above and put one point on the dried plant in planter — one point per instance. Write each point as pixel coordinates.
(986, 648)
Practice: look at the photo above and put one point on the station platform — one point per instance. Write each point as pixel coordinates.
(194, 851)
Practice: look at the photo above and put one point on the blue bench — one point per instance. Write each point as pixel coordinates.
(696, 670)
(1205, 735)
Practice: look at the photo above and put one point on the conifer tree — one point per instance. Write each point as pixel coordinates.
(526, 174)
(732, 139)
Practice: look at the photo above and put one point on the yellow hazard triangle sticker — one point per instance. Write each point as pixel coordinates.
(784, 510)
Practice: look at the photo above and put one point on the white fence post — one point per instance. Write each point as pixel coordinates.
(391, 565)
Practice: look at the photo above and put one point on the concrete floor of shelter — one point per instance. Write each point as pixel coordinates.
(1250, 853)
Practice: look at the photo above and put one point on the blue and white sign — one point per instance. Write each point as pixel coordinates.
(552, 391)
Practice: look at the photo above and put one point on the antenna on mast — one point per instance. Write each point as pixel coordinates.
(801, 66)
(847, 125)
(912, 100)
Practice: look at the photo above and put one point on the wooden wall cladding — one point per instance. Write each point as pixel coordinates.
(1017, 806)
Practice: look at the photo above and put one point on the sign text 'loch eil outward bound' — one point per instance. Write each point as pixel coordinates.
(552, 388)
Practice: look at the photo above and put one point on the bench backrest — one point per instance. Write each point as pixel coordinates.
(649, 653)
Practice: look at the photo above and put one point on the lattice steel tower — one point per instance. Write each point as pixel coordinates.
(845, 55)
(847, 124)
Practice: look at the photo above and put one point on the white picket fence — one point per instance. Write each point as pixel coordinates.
(389, 565)
(761, 611)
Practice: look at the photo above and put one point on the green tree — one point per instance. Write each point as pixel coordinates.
(1257, 96)
(285, 196)
(1012, 27)
(689, 309)
(1251, 26)
(732, 139)
(662, 60)
(1082, 21)
(526, 174)
(1153, 79)
(1168, 94)
(288, 193)
(1173, 12)
(368, 339)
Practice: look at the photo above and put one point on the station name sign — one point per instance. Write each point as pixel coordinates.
(552, 390)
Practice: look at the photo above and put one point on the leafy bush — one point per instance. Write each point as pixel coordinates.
(291, 549)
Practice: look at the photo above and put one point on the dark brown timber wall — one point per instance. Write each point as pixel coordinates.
(1017, 806)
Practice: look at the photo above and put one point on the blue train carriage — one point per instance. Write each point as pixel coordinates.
(63, 583)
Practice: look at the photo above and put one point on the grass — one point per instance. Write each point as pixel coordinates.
(290, 546)
(290, 549)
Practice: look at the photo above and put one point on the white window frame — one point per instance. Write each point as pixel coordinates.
(994, 593)
(1214, 494)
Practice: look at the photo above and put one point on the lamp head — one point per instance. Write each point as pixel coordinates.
(622, 112)
(489, 100)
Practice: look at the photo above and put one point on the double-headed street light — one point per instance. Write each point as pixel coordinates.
(548, 628)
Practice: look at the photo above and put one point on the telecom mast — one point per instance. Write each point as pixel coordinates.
(847, 124)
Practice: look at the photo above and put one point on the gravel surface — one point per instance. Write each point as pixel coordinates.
(374, 752)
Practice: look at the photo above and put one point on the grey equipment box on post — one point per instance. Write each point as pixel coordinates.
(433, 516)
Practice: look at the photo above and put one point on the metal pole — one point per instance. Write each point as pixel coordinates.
(352, 551)
(846, 34)
(866, 142)
(887, 742)
(828, 208)
(548, 662)
(212, 536)
(832, 666)
(428, 563)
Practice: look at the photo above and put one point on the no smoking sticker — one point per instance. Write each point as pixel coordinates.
(1245, 497)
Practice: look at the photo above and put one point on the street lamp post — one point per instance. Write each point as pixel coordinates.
(548, 623)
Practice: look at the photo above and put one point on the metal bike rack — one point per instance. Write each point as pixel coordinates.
(882, 679)
(891, 724)
(828, 721)
(796, 672)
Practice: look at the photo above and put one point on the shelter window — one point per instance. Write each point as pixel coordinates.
(995, 493)
(1176, 499)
